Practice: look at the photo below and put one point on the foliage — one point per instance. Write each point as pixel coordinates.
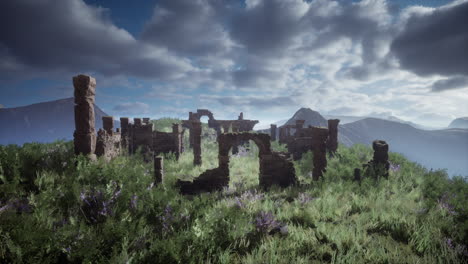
(59, 208)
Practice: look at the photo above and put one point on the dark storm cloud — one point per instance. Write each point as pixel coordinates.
(71, 36)
(435, 43)
(458, 82)
(192, 28)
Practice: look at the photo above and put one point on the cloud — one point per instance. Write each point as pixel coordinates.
(434, 42)
(135, 108)
(458, 82)
(74, 37)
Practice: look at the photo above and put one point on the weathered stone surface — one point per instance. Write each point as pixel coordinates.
(108, 144)
(108, 124)
(273, 128)
(137, 122)
(146, 120)
(85, 133)
(124, 122)
(319, 138)
(379, 165)
(142, 137)
(158, 169)
(196, 130)
(172, 142)
(332, 142)
(275, 168)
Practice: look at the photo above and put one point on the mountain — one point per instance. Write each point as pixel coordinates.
(312, 118)
(461, 122)
(443, 148)
(350, 119)
(42, 122)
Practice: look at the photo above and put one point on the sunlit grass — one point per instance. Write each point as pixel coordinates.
(334, 220)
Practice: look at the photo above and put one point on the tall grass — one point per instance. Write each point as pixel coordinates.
(49, 199)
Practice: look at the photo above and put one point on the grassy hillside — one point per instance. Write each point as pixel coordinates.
(58, 208)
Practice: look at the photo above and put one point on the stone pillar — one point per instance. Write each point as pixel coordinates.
(241, 116)
(235, 129)
(273, 132)
(137, 121)
(108, 124)
(84, 137)
(282, 132)
(196, 130)
(177, 134)
(381, 155)
(158, 169)
(146, 120)
(124, 132)
(332, 142)
(319, 146)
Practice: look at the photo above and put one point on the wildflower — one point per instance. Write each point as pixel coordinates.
(265, 223)
(394, 167)
(166, 219)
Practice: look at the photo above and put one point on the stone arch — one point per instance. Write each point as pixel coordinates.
(275, 167)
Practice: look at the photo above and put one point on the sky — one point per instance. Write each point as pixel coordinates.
(265, 58)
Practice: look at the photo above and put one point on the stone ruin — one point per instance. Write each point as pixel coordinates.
(275, 167)
(84, 137)
(109, 143)
(273, 129)
(220, 126)
(379, 164)
(299, 140)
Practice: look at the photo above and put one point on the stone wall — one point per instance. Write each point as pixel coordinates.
(275, 168)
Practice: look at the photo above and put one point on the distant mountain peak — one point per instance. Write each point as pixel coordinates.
(311, 117)
(461, 122)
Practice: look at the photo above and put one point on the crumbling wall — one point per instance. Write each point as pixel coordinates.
(171, 142)
(108, 144)
(84, 136)
(124, 122)
(275, 168)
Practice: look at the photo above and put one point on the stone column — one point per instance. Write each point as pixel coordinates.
(332, 142)
(108, 124)
(241, 116)
(158, 169)
(273, 132)
(381, 155)
(319, 139)
(196, 130)
(176, 132)
(84, 137)
(137, 121)
(235, 129)
(124, 132)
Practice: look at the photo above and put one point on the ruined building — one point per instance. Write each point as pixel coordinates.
(275, 167)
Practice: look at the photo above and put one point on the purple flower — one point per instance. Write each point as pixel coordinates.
(167, 219)
(445, 205)
(265, 223)
(394, 167)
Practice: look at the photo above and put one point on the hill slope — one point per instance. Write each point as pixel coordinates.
(461, 122)
(42, 122)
